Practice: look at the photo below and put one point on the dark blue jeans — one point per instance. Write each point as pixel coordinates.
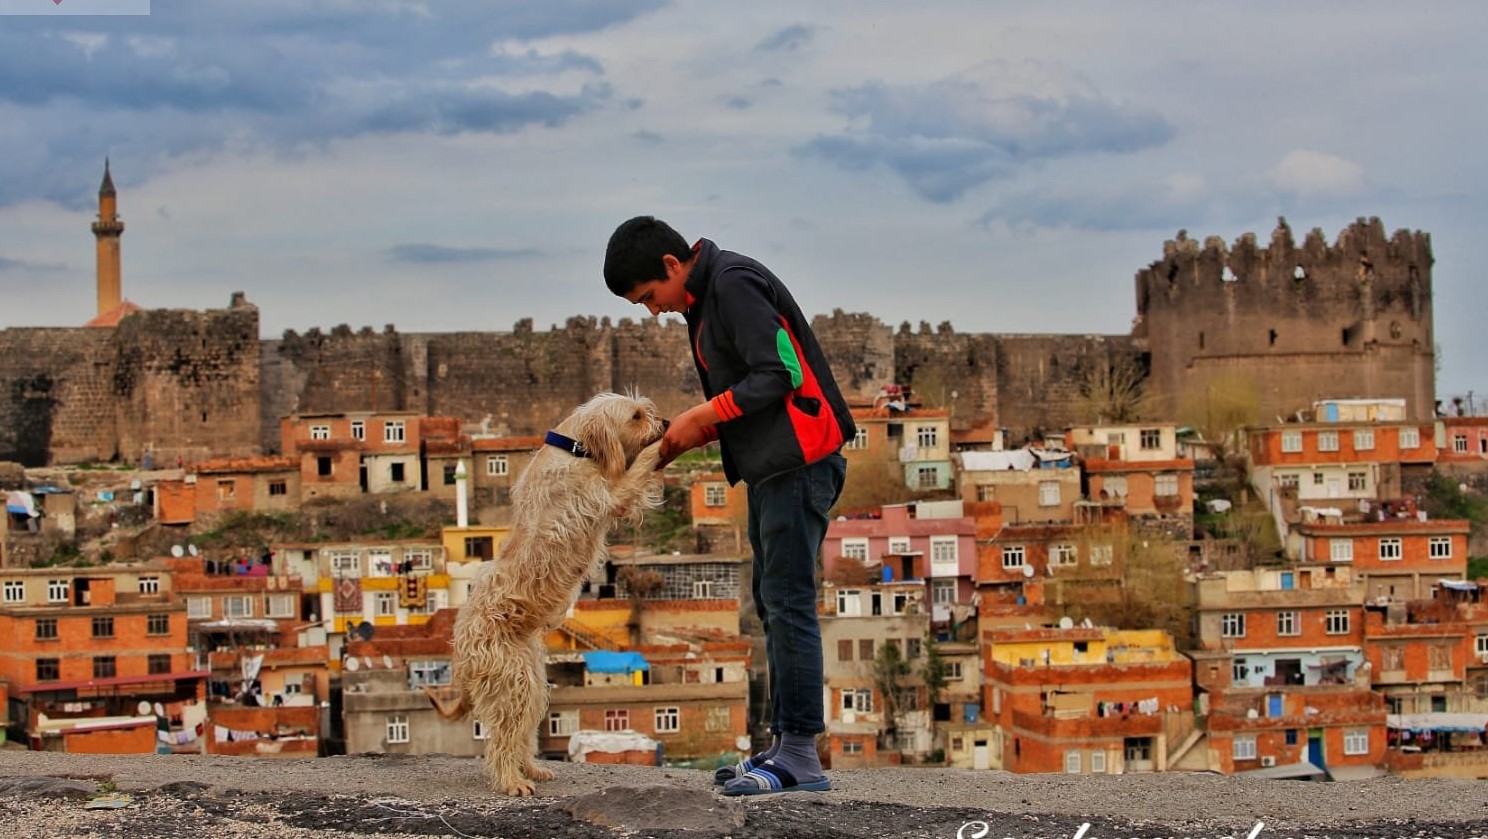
(787, 522)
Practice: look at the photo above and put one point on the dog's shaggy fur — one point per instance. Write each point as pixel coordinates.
(562, 507)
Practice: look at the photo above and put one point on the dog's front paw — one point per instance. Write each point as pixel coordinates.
(649, 460)
(520, 788)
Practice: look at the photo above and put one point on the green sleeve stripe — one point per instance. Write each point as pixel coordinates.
(788, 356)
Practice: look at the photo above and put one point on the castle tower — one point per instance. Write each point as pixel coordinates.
(107, 230)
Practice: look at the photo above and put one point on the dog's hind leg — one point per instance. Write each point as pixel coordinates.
(510, 750)
(533, 711)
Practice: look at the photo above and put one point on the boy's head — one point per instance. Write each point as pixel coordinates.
(637, 252)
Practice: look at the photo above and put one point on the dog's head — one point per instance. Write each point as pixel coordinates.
(614, 428)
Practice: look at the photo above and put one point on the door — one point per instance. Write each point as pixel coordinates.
(981, 756)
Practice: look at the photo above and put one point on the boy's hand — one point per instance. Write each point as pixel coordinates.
(691, 428)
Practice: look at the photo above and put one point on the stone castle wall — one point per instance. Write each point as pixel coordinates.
(1292, 322)
(1295, 321)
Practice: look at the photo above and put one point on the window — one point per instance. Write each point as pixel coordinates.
(1115, 438)
(479, 547)
(1363, 439)
(496, 465)
(320, 432)
(199, 608)
(385, 604)
(158, 663)
(1291, 441)
(105, 667)
(1389, 547)
(149, 585)
(926, 477)
(278, 488)
(1114, 486)
(1336, 622)
(562, 723)
(859, 440)
(953, 670)
(429, 672)
(1288, 480)
(715, 495)
(855, 549)
(1244, 747)
(46, 629)
(1327, 441)
(345, 564)
(1012, 556)
(668, 720)
(1410, 438)
(986, 492)
(1063, 554)
(478, 731)
(1150, 439)
(849, 601)
(1102, 554)
(1392, 657)
(48, 669)
(380, 562)
(358, 429)
(1358, 481)
(943, 591)
(57, 591)
(417, 559)
(1318, 479)
(865, 649)
(15, 591)
(323, 467)
(852, 747)
(157, 624)
(1481, 648)
(1166, 484)
(900, 545)
(616, 719)
(702, 589)
(397, 728)
(1097, 761)
(1286, 623)
(1341, 550)
(103, 626)
(1439, 547)
(844, 649)
(1232, 625)
(858, 700)
(396, 472)
(279, 606)
(227, 490)
(942, 549)
(717, 718)
(449, 474)
(393, 432)
(1048, 493)
(1072, 761)
(1459, 443)
(237, 606)
(1356, 741)
(926, 437)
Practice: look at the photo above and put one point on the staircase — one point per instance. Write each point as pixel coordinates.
(583, 635)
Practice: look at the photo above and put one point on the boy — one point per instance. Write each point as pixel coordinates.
(780, 420)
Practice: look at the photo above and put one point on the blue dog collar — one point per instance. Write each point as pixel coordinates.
(568, 444)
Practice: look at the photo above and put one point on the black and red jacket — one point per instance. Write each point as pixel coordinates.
(761, 368)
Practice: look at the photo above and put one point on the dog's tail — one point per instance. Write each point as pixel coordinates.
(443, 707)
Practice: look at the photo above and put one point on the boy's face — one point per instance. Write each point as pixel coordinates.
(668, 294)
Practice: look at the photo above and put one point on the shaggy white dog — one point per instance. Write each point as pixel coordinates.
(563, 504)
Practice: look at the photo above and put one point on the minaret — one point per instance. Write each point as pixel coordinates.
(107, 230)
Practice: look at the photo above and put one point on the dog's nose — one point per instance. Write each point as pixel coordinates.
(665, 424)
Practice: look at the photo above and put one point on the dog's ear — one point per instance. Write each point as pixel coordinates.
(598, 432)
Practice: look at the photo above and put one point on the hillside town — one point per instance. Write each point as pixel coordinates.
(1165, 571)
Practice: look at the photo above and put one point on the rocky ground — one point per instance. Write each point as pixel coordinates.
(174, 797)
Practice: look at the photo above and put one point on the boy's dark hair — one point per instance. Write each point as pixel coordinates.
(635, 251)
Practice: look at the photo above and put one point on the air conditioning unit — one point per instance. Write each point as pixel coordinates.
(1268, 760)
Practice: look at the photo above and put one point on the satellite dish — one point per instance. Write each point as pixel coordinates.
(387, 661)
(353, 665)
(159, 710)
(1066, 622)
(1028, 571)
(177, 551)
(191, 549)
(367, 661)
(143, 707)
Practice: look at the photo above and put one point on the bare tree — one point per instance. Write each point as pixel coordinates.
(1111, 391)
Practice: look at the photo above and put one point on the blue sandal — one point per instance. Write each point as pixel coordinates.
(770, 777)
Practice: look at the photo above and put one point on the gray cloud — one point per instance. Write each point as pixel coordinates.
(788, 39)
(425, 254)
(8, 264)
(954, 134)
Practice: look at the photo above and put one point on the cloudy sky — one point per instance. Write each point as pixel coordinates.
(458, 164)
